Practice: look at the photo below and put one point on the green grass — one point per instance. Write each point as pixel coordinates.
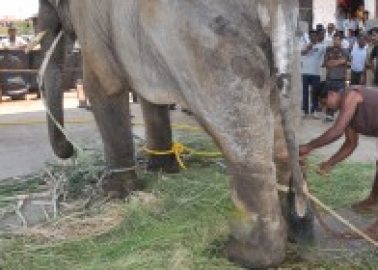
(186, 230)
(347, 183)
(193, 215)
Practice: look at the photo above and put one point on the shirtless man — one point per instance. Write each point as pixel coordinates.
(358, 114)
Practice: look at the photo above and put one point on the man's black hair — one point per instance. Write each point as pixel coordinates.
(320, 28)
(338, 34)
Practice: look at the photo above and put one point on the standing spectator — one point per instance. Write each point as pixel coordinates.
(331, 30)
(352, 39)
(365, 19)
(321, 32)
(360, 12)
(358, 61)
(340, 17)
(312, 57)
(360, 18)
(350, 23)
(13, 42)
(336, 61)
(370, 62)
(344, 41)
(303, 32)
(373, 58)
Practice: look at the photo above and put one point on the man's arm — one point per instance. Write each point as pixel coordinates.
(343, 60)
(350, 144)
(346, 149)
(306, 49)
(336, 131)
(336, 62)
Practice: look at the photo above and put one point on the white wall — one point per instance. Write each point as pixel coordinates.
(370, 6)
(324, 12)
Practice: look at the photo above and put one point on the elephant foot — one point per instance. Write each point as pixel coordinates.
(300, 229)
(166, 163)
(253, 257)
(120, 185)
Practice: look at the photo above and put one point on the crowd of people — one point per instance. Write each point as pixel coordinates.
(344, 78)
(343, 53)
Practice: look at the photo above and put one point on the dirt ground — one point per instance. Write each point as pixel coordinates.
(24, 145)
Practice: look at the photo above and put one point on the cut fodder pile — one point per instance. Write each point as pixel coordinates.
(89, 223)
(178, 222)
(59, 190)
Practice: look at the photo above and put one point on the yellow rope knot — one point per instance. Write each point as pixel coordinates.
(178, 149)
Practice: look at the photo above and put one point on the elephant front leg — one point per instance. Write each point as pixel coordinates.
(245, 135)
(283, 30)
(300, 229)
(258, 231)
(159, 137)
(112, 115)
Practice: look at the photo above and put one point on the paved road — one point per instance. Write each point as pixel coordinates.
(24, 149)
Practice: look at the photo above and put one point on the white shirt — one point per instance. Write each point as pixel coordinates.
(18, 42)
(358, 56)
(345, 44)
(313, 60)
(329, 38)
(339, 17)
(350, 24)
(305, 39)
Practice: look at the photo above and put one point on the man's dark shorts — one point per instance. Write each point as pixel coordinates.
(335, 85)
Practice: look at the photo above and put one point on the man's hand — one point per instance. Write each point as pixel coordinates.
(324, 168)
(304, 151)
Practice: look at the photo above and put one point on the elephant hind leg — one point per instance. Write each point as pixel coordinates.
(159, 137)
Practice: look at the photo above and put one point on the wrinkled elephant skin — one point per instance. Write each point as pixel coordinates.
(222, 60)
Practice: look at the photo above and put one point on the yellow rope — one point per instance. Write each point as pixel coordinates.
(178, 149)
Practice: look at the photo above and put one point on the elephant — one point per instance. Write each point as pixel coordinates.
(232, 63)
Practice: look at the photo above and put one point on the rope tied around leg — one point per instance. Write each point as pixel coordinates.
(178, 149)
(110, 172)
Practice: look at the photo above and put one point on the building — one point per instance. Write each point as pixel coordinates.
(324, 11)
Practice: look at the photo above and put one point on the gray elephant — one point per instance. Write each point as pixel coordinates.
(229, 61)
